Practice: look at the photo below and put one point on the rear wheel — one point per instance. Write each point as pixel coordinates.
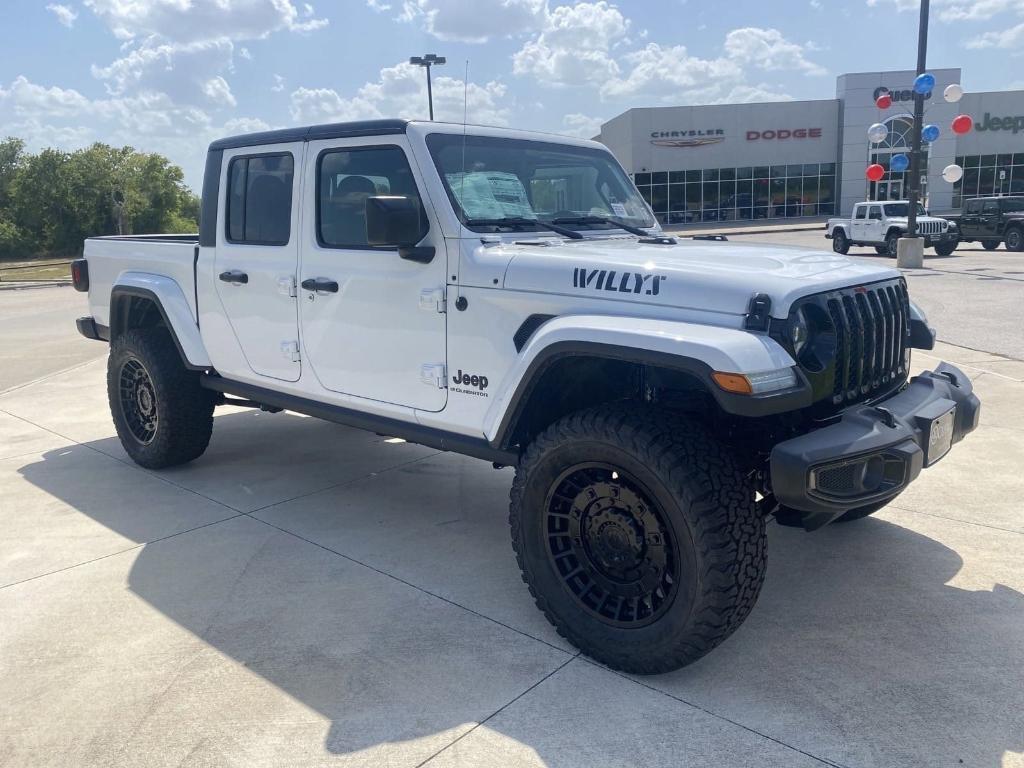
(989, 245)
(892, 244)
(162, 416)
(1015, 239)
(638, 536)
(840, 243)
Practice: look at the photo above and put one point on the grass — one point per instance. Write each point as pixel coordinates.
(42, 269)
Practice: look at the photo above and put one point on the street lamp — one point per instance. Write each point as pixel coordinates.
(426, 61)
(914, 254)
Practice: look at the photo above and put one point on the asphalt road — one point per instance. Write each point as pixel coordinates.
(39, 335)
(972, 298)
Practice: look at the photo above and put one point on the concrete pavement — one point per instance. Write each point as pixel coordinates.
(305, 595)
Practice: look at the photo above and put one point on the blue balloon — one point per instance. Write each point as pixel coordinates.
(899, 163)
(924, 83)
(930, 132)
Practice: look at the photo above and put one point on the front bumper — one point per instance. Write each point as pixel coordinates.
(942, 237)
(874, 451)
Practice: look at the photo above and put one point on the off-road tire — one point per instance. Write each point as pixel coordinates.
(989, 245)
(715, 534)
(840, 242)
(183, 410)
(1015, 239)
(946, 249)
(861, 512)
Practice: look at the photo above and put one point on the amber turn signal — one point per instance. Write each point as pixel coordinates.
(733, 382)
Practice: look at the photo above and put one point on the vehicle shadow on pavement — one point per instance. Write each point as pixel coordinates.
(863, 648)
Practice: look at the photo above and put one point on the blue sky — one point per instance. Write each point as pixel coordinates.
(171, 75)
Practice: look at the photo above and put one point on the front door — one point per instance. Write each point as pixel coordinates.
(373, 323)
(257, 252)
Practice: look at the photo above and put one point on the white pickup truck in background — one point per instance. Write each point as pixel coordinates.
(509, 296)
(882, 224)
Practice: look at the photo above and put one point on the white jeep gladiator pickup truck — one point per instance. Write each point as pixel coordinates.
(508, 295)
(883, 224)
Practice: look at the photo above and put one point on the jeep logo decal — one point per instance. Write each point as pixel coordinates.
(468, 384)
(610, 280)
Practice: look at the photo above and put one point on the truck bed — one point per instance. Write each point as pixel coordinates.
(167, 256)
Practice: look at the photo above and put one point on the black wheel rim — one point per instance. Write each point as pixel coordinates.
(890, 246)
(1013, 240)
(838, 242)
(138, 401)
(610, 545)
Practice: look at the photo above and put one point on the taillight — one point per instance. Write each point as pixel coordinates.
(80, 274)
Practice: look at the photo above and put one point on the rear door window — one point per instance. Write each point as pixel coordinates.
(860, 212)
(259, 210)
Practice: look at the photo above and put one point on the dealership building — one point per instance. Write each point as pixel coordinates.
(808, 158)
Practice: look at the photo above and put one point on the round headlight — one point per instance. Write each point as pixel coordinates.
(799, 332)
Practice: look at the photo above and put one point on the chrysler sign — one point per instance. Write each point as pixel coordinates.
(689, 138)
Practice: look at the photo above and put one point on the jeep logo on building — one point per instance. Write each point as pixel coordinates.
(1013, 123)
(900, 94)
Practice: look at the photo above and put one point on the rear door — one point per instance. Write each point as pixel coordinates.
(257, 253)
(376, 326)
(859, 221)
(873, 229)
(970, 222)
(990, 219)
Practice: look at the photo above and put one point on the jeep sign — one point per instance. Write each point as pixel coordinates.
(989, 123)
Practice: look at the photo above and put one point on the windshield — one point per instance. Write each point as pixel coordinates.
(490, 178)
(1012, 204)
(902, 209)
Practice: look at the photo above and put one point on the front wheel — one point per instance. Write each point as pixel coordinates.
(882, 250)
(1015, 239)
(840, 243)
(162, 416)
(946, 249)
(638, 536)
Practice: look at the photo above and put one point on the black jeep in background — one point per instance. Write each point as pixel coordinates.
(993, 220)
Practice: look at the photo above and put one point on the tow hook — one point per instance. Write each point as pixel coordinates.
(888, 419)
(951, 376)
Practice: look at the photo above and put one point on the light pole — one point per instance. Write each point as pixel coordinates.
(426, 61)
(911, 253)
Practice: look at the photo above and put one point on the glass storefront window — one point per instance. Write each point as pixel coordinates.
(642, 179)
(692, 176)
(987, 160)
(761, 172)
(727, 174)
(710, 174)
(744, 173)
(659, 177)
(778, 171)
(659, 197)
(710, 195)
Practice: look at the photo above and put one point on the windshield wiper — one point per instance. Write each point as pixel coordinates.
(602, 220)
(522, 221)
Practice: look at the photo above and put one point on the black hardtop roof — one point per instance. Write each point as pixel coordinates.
(311, 132)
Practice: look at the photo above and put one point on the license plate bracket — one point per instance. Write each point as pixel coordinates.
(939, 436)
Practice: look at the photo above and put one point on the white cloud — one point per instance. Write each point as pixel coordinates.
(378, 5)
(1011, 37)
(767, 49)
(217, 90)
(182, 70)
(583, 126)
(401, 91)
(574, 46)
(245, 53)
(473, 21)
(957, 10)
(65, 14)
(196, 20)
(671, 74)
(278, 85)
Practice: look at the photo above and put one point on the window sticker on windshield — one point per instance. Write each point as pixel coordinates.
(490, 194)
(619, 209)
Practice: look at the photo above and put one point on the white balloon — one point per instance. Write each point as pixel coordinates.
(877, 133)
(952, 173)
(953, 93)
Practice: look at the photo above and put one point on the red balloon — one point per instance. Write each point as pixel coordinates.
(884, 101)
(962, 124)
(875, 172)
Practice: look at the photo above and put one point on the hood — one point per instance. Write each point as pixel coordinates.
(696, 275)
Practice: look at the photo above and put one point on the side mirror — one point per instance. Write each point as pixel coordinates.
(395, 221)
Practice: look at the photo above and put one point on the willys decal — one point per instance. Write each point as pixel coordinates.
(617, 282)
